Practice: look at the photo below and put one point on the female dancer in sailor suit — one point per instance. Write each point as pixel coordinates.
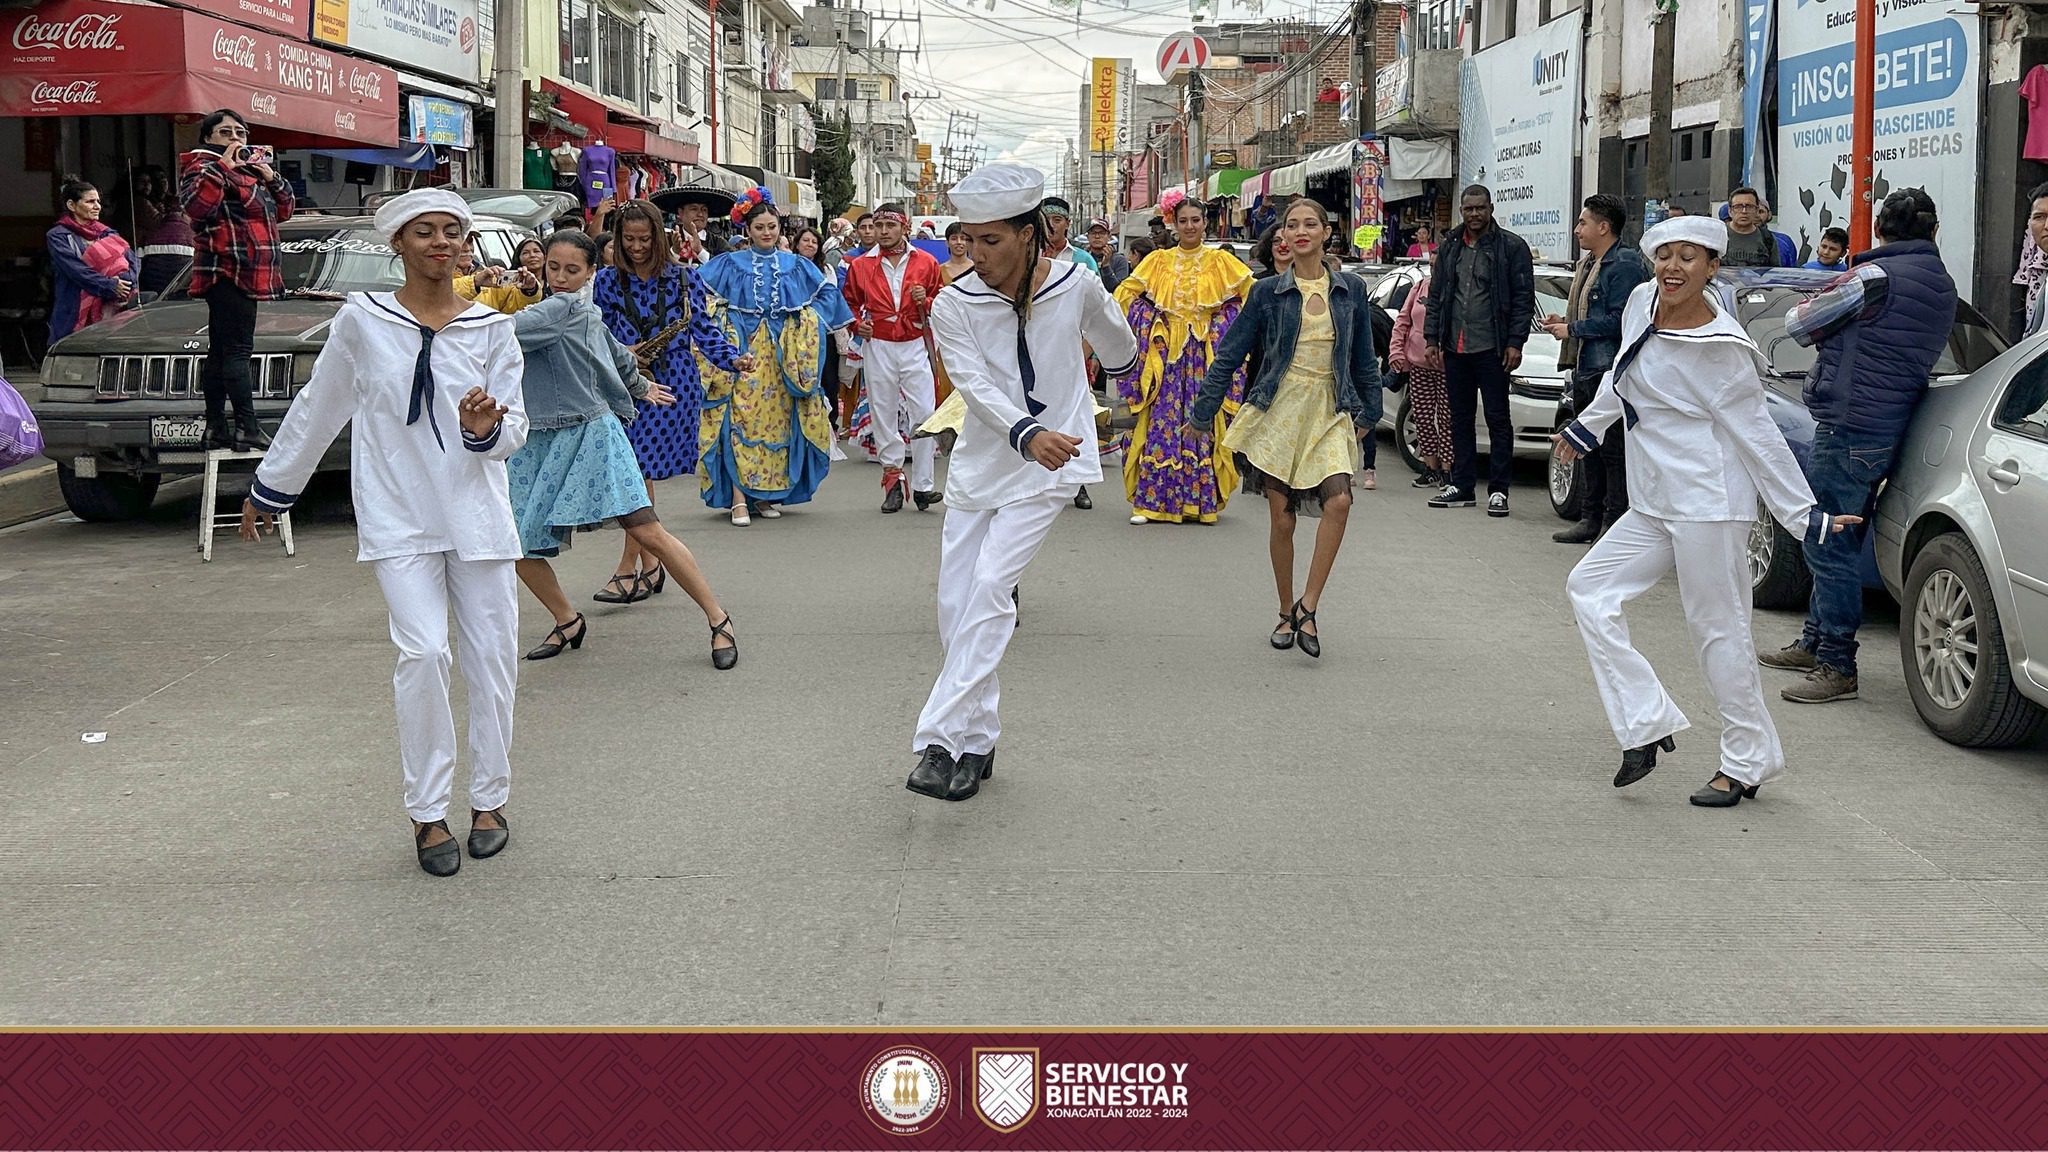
(432, 513)
(1702, 447)
(1011, 334)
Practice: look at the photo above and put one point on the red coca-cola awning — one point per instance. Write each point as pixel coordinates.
(617, 125)
(93, 58)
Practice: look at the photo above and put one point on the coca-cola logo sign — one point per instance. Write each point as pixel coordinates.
(86, 30)
(263, 103)
(237, 50)
(344, 121)
(367, 84)
(56, 95)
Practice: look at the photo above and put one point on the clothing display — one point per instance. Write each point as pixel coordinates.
(596, 173)
(1179, 303)
(539, 171)
(2034, 90)
(636, 309)
(765, 433)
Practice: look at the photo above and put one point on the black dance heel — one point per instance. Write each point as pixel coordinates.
(1637, 763)
(1284, 640)
(443, 859)
(1308, 642)
(618, 590)
(559, 639)
(1711, 797)
(645, 585)
(723, 659)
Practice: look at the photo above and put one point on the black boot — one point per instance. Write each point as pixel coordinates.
(249, 433)
(1081, 499)
(1637, 763)
(218, 434)
(1584, 532)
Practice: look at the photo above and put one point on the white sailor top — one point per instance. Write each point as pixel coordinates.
(1020, 380)
(1701, 442)
(421, 484)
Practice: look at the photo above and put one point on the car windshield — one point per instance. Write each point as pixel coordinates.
(1972, 343)
(330, 264)
(1553, 296)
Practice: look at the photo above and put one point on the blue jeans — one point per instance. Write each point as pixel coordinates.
(1844, 472)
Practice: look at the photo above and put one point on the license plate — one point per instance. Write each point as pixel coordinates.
(176, 431)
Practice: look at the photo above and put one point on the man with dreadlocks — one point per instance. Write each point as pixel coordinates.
(1010, 333)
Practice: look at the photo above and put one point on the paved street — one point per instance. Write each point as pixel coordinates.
(1185, 827)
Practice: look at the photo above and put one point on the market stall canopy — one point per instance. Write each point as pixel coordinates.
(618, 126)
(418, 157)
(1293, 179)
(93, 58)
(1228, 181)
(1410, 162)
(527, 207)
(709, 175)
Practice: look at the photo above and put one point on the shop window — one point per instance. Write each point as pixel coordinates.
(575, 32)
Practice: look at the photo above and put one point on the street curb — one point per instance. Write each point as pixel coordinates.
(29, 495)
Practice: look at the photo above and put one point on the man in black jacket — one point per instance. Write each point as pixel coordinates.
(1589, 335)
(1482, 302)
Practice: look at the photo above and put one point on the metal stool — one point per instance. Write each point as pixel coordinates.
(211, 521)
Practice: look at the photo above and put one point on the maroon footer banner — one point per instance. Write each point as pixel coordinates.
(1082, 1089)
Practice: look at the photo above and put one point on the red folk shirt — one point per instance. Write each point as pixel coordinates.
(869, 294)
(234, 215)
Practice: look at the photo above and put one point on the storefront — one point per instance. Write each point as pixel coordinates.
(640, 155)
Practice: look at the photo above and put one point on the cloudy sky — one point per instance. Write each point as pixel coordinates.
(1019, 64)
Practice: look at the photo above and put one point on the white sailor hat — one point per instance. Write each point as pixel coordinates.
(998, 192)
(1704, 231)
(395, 213)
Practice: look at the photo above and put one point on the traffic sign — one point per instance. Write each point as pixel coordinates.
(1180, 52)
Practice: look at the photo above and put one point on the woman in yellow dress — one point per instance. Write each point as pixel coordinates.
(1316, 396)
(1180, 302)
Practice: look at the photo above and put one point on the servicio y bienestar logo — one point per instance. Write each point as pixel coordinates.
(1014, 1085)
(904, 1090)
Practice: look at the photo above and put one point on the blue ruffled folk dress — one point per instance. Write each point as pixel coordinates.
(665, 440)
(766, 432)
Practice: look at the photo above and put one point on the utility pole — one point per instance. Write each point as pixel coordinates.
(1862, 127)
(1365, 67)
(1663, 47)
(509, 86)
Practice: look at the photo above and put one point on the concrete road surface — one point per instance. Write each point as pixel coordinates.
(1186, 827)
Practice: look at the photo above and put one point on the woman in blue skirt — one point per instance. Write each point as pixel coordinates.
(656, 307)
(577, 467)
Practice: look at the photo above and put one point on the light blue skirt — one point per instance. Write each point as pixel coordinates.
(563, 479)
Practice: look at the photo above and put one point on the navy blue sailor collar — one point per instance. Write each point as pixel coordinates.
(385, 306)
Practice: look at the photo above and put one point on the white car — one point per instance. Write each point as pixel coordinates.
(1533, 390)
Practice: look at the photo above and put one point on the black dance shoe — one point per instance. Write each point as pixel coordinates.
(485, 842)
(443, 859)
(1711, 797)
(1637, 763)
(933, 775)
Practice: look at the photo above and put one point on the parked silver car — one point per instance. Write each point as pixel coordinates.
(1962, 542)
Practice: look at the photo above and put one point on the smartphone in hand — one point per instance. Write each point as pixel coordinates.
(258, 154)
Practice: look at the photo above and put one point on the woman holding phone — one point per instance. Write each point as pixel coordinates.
(235, 201)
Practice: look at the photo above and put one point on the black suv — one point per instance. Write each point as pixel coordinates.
(121, 405)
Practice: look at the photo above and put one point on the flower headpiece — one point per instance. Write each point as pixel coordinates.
(755, 195)
(1171, 202)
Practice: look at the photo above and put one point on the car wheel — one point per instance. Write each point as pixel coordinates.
(1404, 435)
(1954, 653)
(1778, 578)
(1567, 485)
(106, 499)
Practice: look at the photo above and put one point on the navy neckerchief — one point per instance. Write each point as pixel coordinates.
(1027, 371)
(423, 386)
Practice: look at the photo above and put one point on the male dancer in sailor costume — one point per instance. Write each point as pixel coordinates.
(1025, 449)
(1701, 449)
(427, 469)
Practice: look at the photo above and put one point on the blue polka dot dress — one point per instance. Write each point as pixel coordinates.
(635, 309)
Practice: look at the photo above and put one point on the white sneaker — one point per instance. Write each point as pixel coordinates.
(1369, 480)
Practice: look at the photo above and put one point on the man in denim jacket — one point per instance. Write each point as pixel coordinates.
(1590, 333)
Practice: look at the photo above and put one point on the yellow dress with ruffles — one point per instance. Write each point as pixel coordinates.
(1166, 477)
(1302, 438)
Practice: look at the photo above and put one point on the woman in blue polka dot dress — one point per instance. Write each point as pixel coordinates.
(641, 295)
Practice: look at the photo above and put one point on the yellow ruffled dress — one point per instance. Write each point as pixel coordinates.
(1302, 439)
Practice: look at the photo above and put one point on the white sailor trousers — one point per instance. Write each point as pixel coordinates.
(982, 556)
(1712, 564)
(419, 591)
(900, 397)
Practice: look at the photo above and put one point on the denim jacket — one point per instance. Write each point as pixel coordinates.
(1598, 332)
(575, 370)
(1271, 323)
